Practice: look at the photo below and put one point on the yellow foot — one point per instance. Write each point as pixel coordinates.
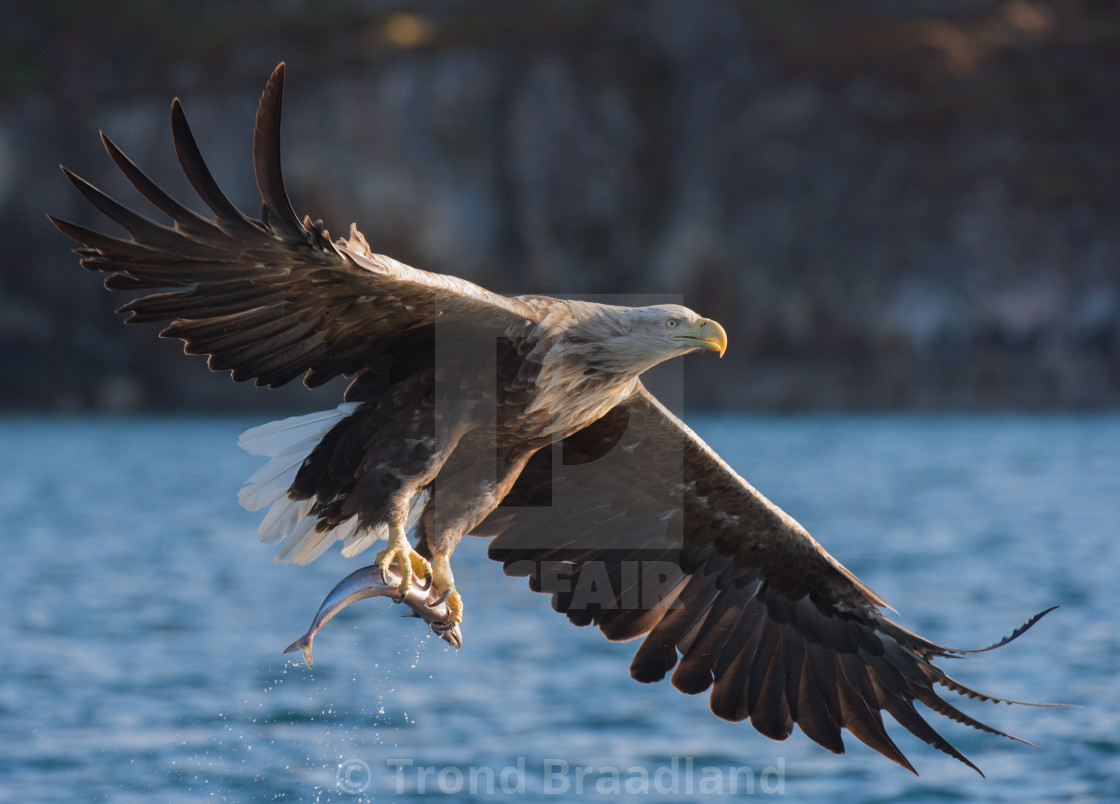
(409, 562)
(444, 581)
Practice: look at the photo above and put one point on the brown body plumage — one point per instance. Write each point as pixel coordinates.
(457, 395)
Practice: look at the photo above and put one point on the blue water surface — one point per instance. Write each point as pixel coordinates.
(142, 628)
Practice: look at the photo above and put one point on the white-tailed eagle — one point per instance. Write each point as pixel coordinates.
(521, 419)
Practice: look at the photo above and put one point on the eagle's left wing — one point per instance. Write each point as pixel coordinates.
(636, 525)
(272, 298)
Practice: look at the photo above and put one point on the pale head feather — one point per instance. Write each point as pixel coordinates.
(627, 340)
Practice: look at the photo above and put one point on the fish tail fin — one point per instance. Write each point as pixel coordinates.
(304, 644)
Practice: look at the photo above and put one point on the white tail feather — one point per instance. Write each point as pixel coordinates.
(288, 442)
(274, 437)
(269, 483)
(347, 530)
(292, 543)
(415, 508)
(282, 518)
(289, 522)
(362, 542)
(314, 545)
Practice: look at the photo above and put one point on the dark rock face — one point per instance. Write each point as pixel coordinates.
(902, 204)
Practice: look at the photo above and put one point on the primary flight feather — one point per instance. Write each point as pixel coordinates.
(522, 419)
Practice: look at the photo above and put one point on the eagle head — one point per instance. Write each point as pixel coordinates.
(630, 340)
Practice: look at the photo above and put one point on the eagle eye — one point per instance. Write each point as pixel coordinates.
(672, 323)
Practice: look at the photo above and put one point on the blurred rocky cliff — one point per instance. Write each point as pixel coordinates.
(887, 203)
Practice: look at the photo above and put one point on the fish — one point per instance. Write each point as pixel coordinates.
(427, 603)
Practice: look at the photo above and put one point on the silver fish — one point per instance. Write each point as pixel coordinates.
(427, 603)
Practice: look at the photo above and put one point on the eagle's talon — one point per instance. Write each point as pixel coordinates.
(410, 563)
(454, 610)
(443, 579)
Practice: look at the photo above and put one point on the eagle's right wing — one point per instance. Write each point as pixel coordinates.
(636, 525)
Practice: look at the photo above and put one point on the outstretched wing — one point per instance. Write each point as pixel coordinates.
(635, 525)
(271, 298)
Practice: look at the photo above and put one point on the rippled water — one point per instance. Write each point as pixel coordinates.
(143, 625)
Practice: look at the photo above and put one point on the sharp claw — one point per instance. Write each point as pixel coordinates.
(442, 598)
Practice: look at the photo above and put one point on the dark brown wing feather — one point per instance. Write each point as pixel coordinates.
(635, 525)
(273, 298)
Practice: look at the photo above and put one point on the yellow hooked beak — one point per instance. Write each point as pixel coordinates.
(703, 334)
